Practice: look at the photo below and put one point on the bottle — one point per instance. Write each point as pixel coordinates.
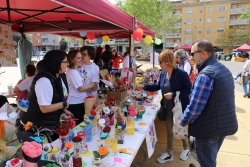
(130, 128)
(71, 135)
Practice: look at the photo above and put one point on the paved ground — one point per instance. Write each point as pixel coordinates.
(235, 151)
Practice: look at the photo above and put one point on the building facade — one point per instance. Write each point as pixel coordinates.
(205, 19)
(45, 42)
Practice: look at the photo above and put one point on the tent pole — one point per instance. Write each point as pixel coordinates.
(153, 54)
(8, 9)
(130, 52)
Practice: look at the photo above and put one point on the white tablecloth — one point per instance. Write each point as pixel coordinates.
(132, 143)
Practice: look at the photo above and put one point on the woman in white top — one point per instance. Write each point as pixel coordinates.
(246, 79)
(77, 91)
(24, 84)
(125, 62)
(183, 61)
(89, 71)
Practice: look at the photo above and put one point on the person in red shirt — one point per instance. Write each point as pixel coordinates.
(117, 59)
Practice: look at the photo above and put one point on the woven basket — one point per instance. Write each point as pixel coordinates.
(118, 95)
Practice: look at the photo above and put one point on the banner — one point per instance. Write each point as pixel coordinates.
(151, 139)
(7, 49)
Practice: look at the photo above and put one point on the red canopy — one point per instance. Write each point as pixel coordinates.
(244, 47)
(186, 47)
(69, 17)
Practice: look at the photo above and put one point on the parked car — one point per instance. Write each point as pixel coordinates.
(236, 54)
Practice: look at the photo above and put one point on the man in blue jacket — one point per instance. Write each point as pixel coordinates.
(211, 112)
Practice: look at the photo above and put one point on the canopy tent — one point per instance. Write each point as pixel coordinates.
(244, 47)
(186, 47)
(66, 17)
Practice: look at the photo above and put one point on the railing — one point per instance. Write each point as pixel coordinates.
(237, 11)
(169, 45)
(238, 22)
(173, 35)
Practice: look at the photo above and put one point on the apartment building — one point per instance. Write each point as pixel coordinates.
(205, 19)
(45, 42)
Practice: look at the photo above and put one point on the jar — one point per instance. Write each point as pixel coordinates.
(83, 145)
(88, 131)
(130, 128)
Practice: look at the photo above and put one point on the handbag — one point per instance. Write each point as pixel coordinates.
(162, 113)
(241, 81)
(245, 72)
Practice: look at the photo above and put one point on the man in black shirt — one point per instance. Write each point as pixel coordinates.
(107, 58)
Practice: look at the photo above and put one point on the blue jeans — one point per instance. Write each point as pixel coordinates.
(246, 82)
(207, 150)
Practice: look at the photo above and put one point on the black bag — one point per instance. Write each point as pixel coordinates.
(162, 113)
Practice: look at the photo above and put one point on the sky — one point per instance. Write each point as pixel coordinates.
(112, 1)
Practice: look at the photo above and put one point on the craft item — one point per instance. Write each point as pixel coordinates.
(88, 131)
(83, 146)
(130, 128)
(77, 161)
(32, 152)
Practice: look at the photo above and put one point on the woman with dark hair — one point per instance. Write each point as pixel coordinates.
(48, 92)
(77, 91)
(117, 59)
(89, 71)
(24, 84)
(98, 57)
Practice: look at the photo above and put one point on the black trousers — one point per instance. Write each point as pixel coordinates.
(78, 111)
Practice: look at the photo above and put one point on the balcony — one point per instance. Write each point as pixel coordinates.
(169, 45)
(238, 22)
(45, 35)
(237, 11)
(173, 35)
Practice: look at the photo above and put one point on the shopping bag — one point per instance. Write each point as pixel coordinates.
(179, 131)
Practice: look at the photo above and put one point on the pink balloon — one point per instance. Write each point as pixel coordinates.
(90, 35)
(137, 36)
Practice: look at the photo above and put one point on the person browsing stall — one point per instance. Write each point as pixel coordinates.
(171, 80)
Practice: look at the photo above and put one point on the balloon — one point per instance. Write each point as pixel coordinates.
(157, 41)
(99, 40)
(83, 34)
(137, 36)
(90, 35)
(148, 39)
(140, 30)
(105, 38)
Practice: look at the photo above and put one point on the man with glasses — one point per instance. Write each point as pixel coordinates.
(211, 111)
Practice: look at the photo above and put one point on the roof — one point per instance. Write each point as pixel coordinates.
(69, 17)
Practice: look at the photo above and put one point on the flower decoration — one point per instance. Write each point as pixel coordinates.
(32, 149)
(106, 129)
(68, 145)
(27, 126)
(106, 102)
(95, 105)
(90, 97)
(77, 139)
(101, 153)
(67, 155)
(92, 112)
(14, 161)
(67, 122)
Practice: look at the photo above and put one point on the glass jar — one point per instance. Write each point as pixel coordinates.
(83, 145)
(130, 128)
(88, 131)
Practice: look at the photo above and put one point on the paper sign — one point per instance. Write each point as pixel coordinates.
(151, 139)
(7, 49)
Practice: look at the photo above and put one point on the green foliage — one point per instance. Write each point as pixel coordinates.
(157, 15)
(17, 37)
(233, 37)
(246, 14)
(96, 154)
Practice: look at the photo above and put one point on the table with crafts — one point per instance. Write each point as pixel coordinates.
(144, 128)
(8, 94)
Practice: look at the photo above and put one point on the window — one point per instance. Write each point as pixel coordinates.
(37, 34)
(188, 31)
(221, 19)
(208, 30)
(201, 10)
(233, 6)
(209, 9)
(188, 41)
(189, 21)
(54, 41)
(200, 21)
(189, 11)
(220, 29)
(199, 31)
(208, 19)
(222, 8)
(37, 41)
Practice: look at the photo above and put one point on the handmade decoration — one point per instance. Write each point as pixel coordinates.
(15, 162)
(65, 155)
(89, 103)
(32, 152)
(99, 155)
(23, 105)
(77, 160)
(83, 145)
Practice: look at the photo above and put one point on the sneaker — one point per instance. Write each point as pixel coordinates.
(165, 157)
(184, 155)
(191, 165)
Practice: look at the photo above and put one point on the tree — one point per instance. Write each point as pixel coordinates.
(246, 14)
(235, 36)
(156, 14)
(17, 37)
(63, 45)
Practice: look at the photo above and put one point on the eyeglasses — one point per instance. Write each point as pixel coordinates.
(66, 62)
(192, 53)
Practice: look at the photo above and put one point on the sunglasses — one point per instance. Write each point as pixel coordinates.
(192, 53)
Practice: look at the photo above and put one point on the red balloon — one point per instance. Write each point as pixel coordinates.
(87, 41)
(137, 36)
(90, 35)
